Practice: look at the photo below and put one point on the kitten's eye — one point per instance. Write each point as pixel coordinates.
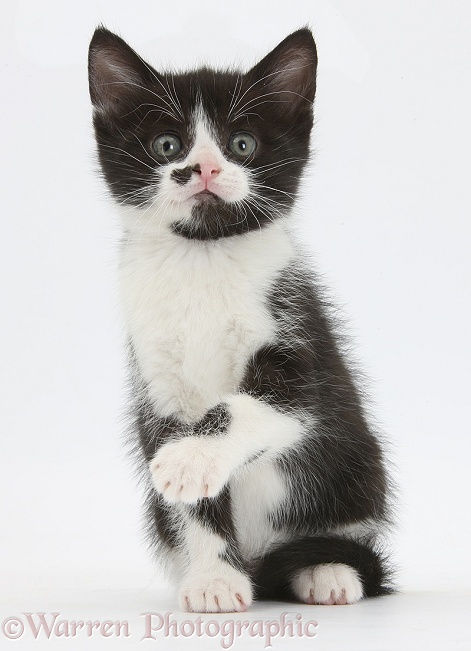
(166, 146)
(242, 145)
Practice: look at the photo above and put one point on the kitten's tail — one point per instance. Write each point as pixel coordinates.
(276, 570)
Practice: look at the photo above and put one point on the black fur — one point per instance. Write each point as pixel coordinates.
(182, 175)
(344, 478)
(276, 569)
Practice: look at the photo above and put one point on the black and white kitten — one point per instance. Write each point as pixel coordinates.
(264, 478)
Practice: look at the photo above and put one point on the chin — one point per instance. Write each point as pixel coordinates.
(211, 218)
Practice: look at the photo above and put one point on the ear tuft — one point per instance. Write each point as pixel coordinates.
(289, 72)
(116, 73)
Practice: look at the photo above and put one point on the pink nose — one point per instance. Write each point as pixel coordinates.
(207, 171)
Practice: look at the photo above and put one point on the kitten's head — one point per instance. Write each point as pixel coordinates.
(206, 153)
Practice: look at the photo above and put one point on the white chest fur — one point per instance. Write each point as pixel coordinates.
(196, 312)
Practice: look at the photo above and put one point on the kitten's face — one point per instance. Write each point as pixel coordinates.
(206, 154)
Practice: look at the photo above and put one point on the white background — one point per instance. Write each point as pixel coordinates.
(385, 211)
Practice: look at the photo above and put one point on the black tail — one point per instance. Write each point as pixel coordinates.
(275, 570)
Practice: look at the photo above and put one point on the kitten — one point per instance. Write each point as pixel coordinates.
(263, 476)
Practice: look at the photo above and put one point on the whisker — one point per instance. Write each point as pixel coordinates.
(126, 153)
(266, 77)
(170, 104)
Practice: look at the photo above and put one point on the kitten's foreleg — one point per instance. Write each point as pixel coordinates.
(199, 466)
(207, 562)
(215, 580)
(193, 471)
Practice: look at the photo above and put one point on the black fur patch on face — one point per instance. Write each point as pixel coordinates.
(183, 175)
(212, 218)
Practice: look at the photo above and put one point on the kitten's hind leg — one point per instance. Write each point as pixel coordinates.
(329, 584)
(323, 569)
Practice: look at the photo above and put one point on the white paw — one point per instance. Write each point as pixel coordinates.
(330, 584)
(228, 592)
(189, 469)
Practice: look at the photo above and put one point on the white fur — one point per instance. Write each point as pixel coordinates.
(211, 584)
(257, 427)
(191, 468)
(329, 584)
(196, 314)
(232, 182)
(225, 592)
(255, 493)
(361, 529)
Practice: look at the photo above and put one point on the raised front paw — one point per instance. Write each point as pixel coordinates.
(190, 469)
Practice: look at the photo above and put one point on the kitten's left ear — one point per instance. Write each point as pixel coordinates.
(288, 72)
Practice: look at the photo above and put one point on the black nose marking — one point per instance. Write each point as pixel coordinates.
(182, 175)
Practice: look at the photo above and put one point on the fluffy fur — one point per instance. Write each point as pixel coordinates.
(263, 476)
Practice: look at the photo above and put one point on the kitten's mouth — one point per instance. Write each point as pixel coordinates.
(206, 196)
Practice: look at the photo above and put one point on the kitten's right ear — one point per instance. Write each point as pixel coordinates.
(116, 74)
